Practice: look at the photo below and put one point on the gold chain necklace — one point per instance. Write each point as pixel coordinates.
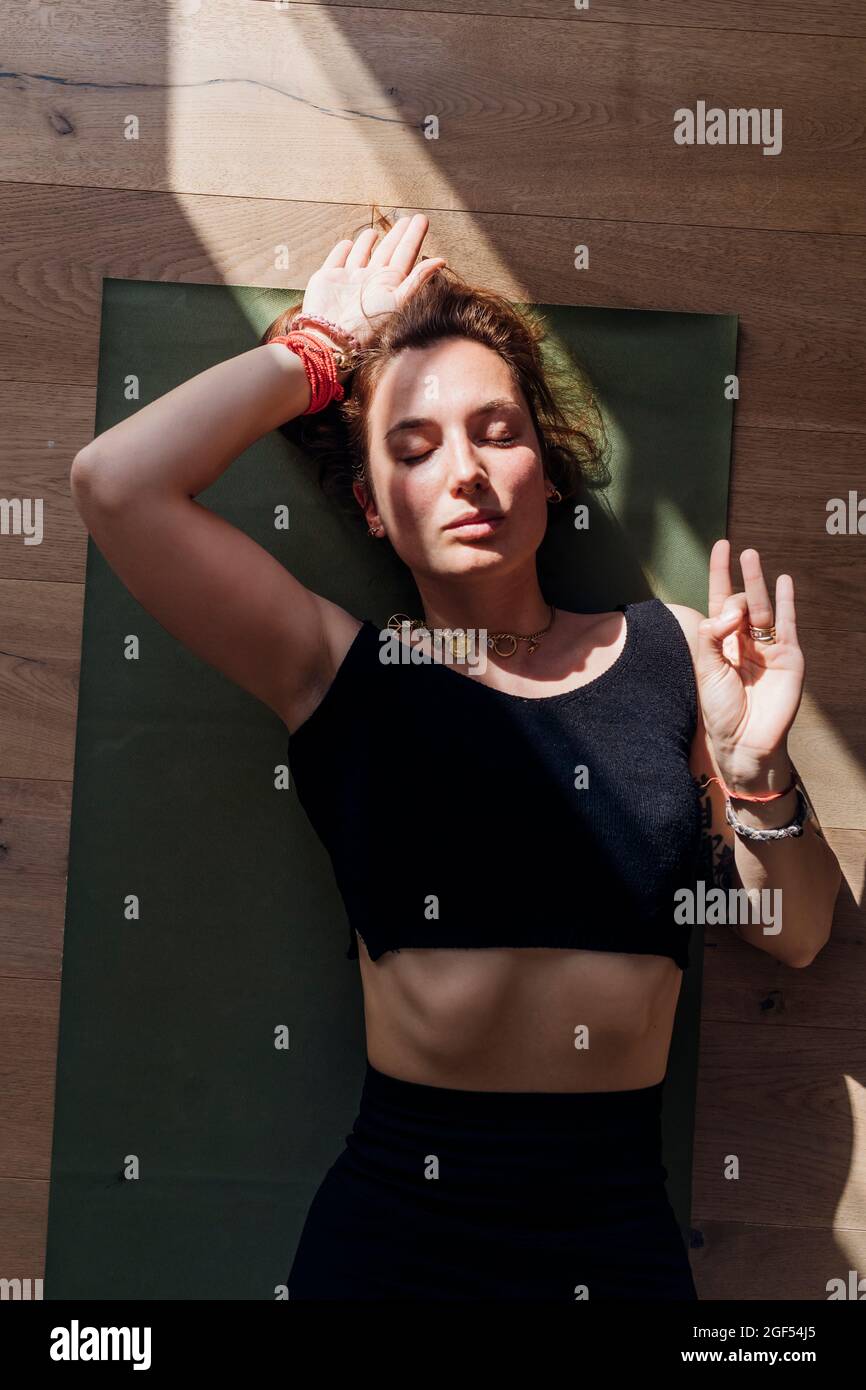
(456, 638)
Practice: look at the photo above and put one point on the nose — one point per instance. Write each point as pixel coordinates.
(467, 470)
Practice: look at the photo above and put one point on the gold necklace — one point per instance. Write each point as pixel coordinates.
(456, 637)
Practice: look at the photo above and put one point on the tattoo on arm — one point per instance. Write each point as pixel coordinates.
(716, 855)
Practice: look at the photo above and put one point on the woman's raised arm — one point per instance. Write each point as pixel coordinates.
(206, 582)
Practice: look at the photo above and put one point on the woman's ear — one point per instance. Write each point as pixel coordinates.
(362, 497)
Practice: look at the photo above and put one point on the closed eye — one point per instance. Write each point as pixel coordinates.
(500, 443)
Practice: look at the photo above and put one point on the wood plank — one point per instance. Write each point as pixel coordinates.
(828, 738)
(233, 100)
(783, 483)
(23, 1227)
(745, 985)
(734, 1261)
(34, 856)
(62, 242)
(43, 431)
(40, 659)
(29, 1015)
(801, 299)
(788, 1103)
(771, 16)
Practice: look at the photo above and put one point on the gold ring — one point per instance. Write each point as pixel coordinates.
(762, 634)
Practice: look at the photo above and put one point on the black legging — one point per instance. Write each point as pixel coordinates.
(450, 1194)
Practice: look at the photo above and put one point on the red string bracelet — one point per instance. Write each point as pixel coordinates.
(741, 796)
(320, 366)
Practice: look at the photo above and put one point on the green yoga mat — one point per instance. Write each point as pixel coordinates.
(188, 1143)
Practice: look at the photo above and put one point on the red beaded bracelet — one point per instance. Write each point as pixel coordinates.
(320, 366)
(300, 319)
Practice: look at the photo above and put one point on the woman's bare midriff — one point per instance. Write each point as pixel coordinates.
(529, 1018)
(520, 1019)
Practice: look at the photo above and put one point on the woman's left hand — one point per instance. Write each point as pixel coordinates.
(750, 691)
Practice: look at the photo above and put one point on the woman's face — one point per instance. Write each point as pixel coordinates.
(450, 433)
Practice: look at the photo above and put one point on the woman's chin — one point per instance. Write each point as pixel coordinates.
(470, 559)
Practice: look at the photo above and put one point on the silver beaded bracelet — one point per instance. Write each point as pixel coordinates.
(783, 832)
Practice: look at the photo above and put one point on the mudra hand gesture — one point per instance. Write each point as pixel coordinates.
(356, 289)
(749, 690)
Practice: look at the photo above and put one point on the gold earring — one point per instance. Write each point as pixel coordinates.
(555, 496)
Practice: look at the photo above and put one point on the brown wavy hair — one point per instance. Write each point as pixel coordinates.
(567, 420)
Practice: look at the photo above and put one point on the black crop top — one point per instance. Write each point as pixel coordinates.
(457, 815)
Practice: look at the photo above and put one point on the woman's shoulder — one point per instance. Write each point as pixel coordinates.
(689, 620)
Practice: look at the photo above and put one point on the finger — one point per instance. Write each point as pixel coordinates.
(360, 252)
(416, 279)
(734, 613)
(720, 577)
(734, 609)
(337, 257)
(786, 618)
(710, 654)
(760, 607)
(391, 240)
(406, 253)
(712, 632)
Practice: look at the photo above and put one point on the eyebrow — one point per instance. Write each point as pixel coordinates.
(413, 421)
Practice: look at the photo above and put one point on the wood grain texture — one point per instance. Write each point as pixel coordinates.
(260, 128)
(23, 1227)
(801, 299)
(788, 1104)
(29, 1013)
(64, 241)
(329, 104)
(738, 1261)
(844, 17)
(743, 985)
(45, 426)
(34, 855)
(783, 483)
(40, 659)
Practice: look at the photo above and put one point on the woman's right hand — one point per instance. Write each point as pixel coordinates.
(357, 290)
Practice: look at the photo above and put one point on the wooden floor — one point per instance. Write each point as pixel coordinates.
(261, 126)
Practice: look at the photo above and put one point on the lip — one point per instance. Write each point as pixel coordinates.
(482, 522)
